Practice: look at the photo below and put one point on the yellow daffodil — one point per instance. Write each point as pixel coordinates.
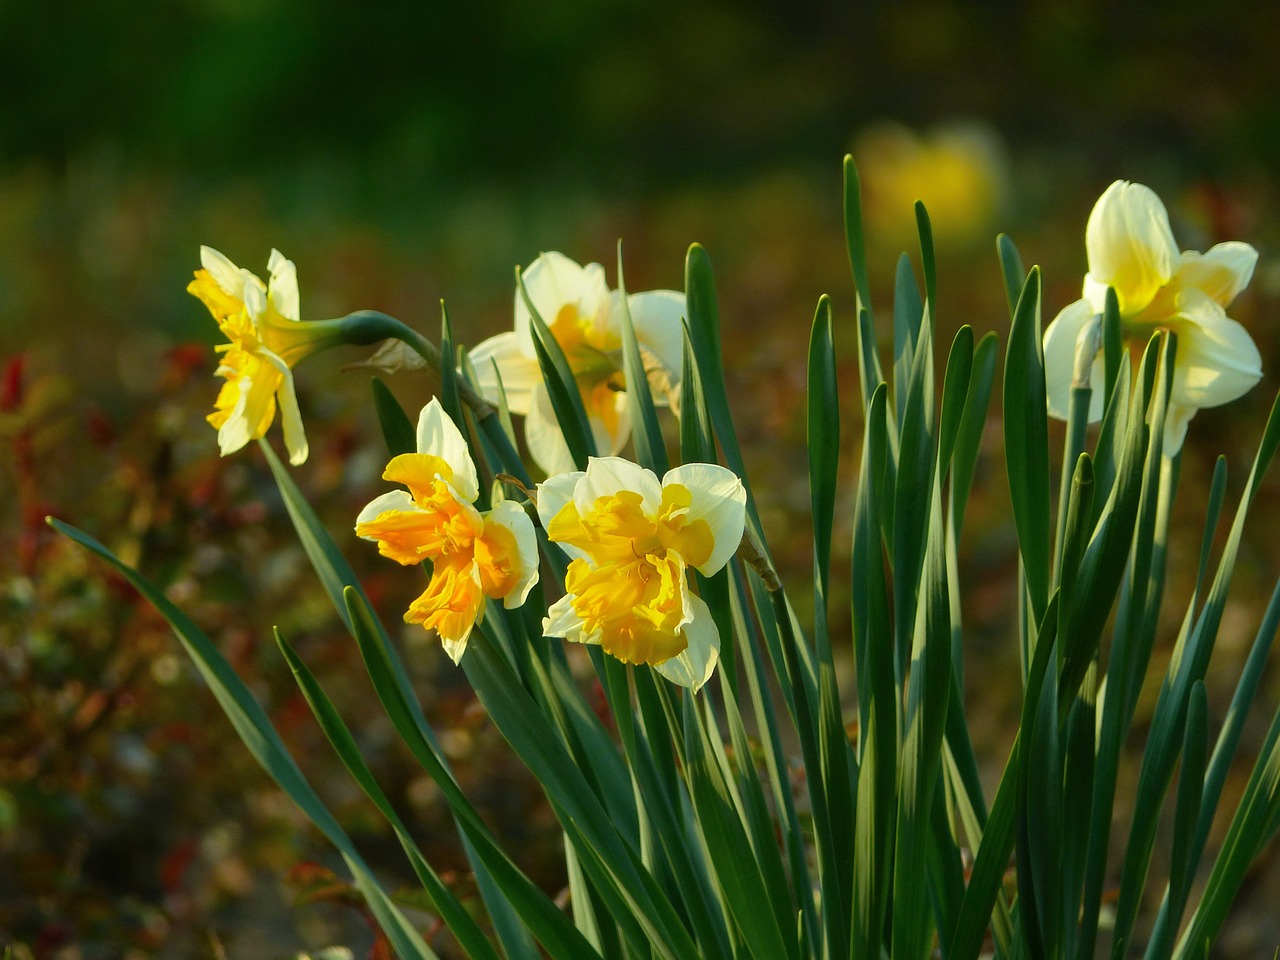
(585, 317)
(1131, 248)
(265, 341)
(631, 539)
(473, 555)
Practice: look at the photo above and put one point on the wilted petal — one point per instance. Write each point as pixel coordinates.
(693, 667)
(439, 436)
(1130, 244)
(1060, 340)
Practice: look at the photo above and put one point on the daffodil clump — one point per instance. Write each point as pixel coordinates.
(822, 797)
(1131, 250)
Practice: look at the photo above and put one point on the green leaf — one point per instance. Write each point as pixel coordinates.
(824, 440)
(562, 386)
(1026, 436)
(253, 726)
(1011, 269)
(854, 242)
(973, 422)
(449, 398)
(651, 450)
(397, 428)
(455, 916)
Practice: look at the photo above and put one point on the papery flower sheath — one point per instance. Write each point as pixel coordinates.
(265, 341)
(631, 539)
(585, 317)
(474, 555)
(1131, 248)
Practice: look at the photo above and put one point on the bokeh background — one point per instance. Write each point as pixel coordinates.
(405, 152)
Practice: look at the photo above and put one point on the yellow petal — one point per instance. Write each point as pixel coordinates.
(451, 604)
(507, 554)
(1130, 244)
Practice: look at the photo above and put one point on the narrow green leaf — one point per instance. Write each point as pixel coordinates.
(854, 239)
(1011, 269)
(253, 726)
(908, 314)
(449, 398)
(973, 422)
(1113, 351)
(397, 428)
(1026, 435)
(561, 385)
(455, 916)
(651, 451)
(824, 440)
(928, 262)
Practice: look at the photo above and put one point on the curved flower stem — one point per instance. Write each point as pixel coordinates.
(364, 327)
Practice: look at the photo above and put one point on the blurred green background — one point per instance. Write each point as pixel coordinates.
(402, 153)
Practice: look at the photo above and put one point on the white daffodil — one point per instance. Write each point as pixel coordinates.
(1131, 248)
(631, 539)
(585, 317)
(474, 555)
(266, 340)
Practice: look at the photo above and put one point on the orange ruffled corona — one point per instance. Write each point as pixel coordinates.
(473, 555)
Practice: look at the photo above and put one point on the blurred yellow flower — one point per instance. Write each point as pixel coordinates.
(473, 555)
(265, 341)
(1131, 249)
(631, 538)
(585, 317)
(957, 170)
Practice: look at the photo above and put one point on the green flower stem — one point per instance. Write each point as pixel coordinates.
(364, 327)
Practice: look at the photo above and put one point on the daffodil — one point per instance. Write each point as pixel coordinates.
(265, 341)
(1131, 249)
(474, 555)
(585, 317)
(631, 539)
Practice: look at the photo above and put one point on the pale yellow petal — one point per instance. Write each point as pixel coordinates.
(719, 498)
(553, 281)
(656, 316)
(561, 621)
(1220, 273)
(440, 437)
(295, 437)
(283, 286)
(1061, 338)
(225, 273)
(1130, 244)
(1217, 361)
(509, 516)
(606, 476)
(542, 434)
(694, 665)
(508, 356)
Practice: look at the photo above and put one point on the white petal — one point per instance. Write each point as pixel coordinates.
(606, 476)
(439, 436)
(1060, 339)
(1217, 360)
(1175, 428)
(553, 281)
(253, 293)
(561, 621)
(235, 431)
(295, 438)
(283, 285)
(1221, 272)
(554, 492)
(718, 498)
(510, 515)
(542, 433)
(608, 441)
(398, 500)
(225, 273)
(694, 666)
(1130, 244)
(456, 648)
(656, 316)
(519, 371)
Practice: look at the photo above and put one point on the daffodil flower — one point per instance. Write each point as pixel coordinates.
(265, 341)
(474, 555)
(630, 539)
(585, 317)
(1131, 249)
